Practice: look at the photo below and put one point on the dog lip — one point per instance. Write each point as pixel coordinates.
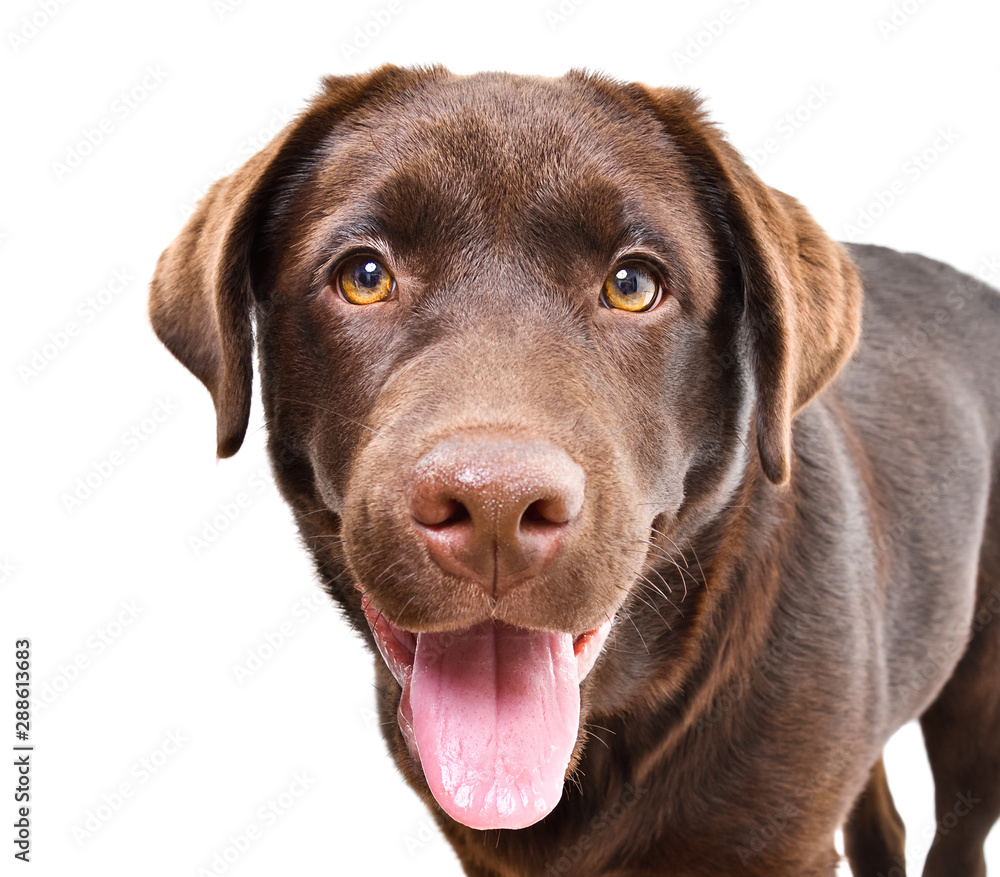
(588, 647)
(398, 646)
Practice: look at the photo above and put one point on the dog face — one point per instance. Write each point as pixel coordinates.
(519, 339)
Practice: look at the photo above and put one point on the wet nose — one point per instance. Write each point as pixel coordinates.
(495, 510)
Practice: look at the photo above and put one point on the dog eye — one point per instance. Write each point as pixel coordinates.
(631, 288)
(363, 280)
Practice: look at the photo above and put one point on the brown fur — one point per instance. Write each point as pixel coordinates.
(750, 497)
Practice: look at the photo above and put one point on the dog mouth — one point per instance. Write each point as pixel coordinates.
(491, 713)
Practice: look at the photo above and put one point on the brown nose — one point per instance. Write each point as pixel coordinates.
(495, 511)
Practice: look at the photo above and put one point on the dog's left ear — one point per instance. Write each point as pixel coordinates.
(801, 291)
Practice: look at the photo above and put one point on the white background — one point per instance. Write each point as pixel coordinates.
(211, 81)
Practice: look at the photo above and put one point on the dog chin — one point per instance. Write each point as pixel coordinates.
(490, 712)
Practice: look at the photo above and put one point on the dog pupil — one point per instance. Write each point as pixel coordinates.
(628, 281)
(369, 274)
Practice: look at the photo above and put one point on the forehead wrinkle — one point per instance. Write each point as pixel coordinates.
(423, 205)
(484, 153)
(464, 193)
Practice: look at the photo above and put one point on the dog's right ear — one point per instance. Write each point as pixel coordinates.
(202, 293)
(200, 297)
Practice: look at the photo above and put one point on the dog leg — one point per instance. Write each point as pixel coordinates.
(874, 836)
(962, 731)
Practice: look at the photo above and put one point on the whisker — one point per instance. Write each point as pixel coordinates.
(658, 591)
(329, 411)
(322, 511)
(694, 553)
(646, 603)
(657, 611)
(590, 733)
(407, 603)
(637, 422)
(639, 632)
(670, 559)
(701, 571)
(671, 541)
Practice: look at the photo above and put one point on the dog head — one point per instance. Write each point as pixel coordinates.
(520, 341)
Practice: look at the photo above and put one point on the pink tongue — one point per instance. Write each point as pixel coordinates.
(495, 716)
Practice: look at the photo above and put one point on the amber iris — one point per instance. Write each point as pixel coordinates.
(363, 280)
(631, 288)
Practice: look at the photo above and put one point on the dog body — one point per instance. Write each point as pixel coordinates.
(572, 414)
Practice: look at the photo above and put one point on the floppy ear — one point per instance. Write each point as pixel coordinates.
(202, 293)
(200, 297)
(801, 291)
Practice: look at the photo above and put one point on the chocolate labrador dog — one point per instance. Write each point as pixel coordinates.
(653, 553)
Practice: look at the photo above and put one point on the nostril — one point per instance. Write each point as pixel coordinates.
(544, 512)
(533, 514)
(457, 514)
(439, 512)
(561, 502)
